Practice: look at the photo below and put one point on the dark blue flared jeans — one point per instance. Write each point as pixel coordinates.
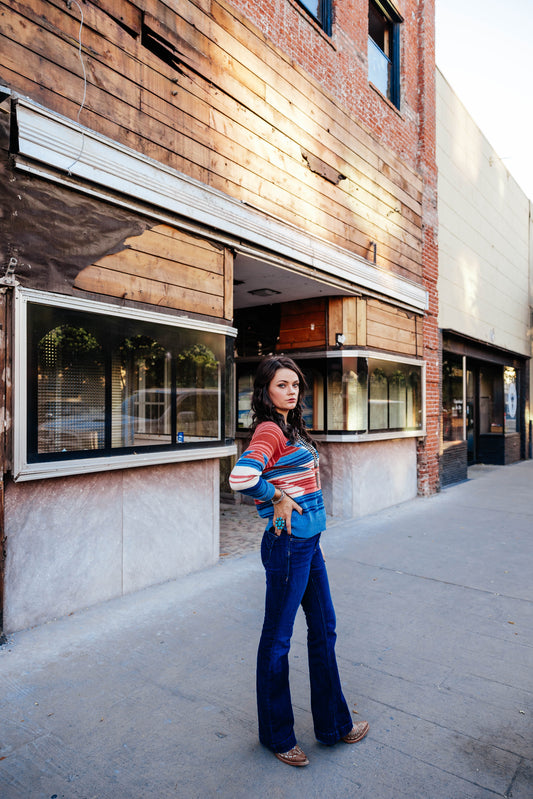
(296, 575)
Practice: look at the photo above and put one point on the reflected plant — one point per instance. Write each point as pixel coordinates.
(397, 378)
(67, 343)
(197, 366)
(378, 376)
(142, 348)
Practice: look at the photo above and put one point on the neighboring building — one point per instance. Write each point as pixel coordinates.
(186, 187)
(484, 297)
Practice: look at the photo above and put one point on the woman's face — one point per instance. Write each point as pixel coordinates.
(283, 390)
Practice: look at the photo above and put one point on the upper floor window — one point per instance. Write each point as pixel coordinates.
(321, 11)
(384, 49)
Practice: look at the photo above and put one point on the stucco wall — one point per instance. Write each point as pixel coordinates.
(76, 541)
(358, 479)
(483, 233)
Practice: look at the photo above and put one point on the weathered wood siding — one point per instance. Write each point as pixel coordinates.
(363, 323)
(200, 89)
(164, 267)
(393, 329)
(302, 325)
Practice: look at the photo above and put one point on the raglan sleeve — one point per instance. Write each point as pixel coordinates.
(247, 474)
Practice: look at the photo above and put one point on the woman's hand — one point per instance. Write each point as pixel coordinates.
(283, 510)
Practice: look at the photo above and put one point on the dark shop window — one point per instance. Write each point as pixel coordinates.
(321, 11)
(107, 385)
(349, 394)
(384, 49)
(452, 397)
(491, 409)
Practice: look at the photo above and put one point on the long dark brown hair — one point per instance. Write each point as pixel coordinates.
(263, 409)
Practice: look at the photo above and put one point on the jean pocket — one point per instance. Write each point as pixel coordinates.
(267, 545)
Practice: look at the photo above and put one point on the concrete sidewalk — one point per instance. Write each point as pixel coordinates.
(153, 695)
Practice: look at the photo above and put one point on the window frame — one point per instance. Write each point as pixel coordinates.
(394, 17)
(23, 468)
(325, 16)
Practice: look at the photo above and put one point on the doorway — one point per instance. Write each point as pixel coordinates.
(484, 412)
(471, 416)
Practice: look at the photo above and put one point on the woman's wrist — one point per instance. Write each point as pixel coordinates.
(281, 496)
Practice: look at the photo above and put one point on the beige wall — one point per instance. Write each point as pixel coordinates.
(75, 541)
(483, 234)
(362, 478)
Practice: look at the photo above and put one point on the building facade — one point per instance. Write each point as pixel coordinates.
(189, 186)
(484, 297)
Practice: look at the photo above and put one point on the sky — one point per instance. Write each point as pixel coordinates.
(483, 50)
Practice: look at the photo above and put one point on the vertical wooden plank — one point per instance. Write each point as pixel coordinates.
(334, 319)
(361, 322)
(228, 283)
(349, 321)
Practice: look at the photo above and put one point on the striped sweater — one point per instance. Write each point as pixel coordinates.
(271, 462)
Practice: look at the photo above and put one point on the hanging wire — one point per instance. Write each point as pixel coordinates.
(69, 5)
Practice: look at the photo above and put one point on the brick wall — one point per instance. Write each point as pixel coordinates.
(340, 63)
(454, 463)
(512, 448)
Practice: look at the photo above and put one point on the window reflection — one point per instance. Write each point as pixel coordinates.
(71, 391)
(394, 395)
(313, 398)
(379, 68)
(197, 394)
(452, 398)
(141, 393)
(510, 399)
(105, 383)
(347, 394)
(355, 393)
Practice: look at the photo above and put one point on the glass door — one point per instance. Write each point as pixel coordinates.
(471, 414)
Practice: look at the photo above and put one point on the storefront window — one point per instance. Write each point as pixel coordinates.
(313, 399)
(394, 395)
(510, 394)
(106, 384)
(350, 394)
(452, 397)
(347, 394)
(245, 389)
(490, 400)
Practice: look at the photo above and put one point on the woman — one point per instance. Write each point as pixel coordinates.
(279, 469)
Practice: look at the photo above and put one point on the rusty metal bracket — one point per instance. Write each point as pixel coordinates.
(9, 278)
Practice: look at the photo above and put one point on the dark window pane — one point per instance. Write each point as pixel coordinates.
(313, 397)
(379, 29)
(378, 396)
(141, 393)
(198, 381)
(70, 391)
(245, 389)
(101, 383)
(490, 399)
(452, 398)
